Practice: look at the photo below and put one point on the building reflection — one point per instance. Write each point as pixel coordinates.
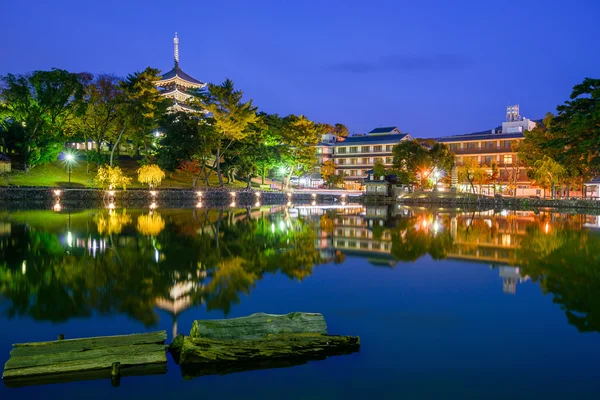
(134, 262)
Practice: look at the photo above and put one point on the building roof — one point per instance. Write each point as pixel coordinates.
(386, 129)
(176, 72)
(487, 135)
(383, 139)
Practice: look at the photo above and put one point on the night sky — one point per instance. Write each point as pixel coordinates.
(432, 68)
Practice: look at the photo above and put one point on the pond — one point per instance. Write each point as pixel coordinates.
(447, 303)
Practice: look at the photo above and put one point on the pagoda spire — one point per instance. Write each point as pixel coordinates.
(176, 45)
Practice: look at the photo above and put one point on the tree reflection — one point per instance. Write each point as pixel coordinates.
(565, 260)
(108, 268)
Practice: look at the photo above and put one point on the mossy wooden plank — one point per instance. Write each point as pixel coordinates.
(138, 370)
(98, 363)
(56, 346)
(283, 346)
(117, 352)
(259, 325)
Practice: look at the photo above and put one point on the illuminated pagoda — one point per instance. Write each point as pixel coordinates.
(176, 84)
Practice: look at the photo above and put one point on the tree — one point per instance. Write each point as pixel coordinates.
(576, 128)
(548, 174)
(230, 117)
(103, 111)
(187, 138)
(471, 171)
(151, 175)
(42, 103)
(379, 169)
(420, 161)
(111, 178)
(144, 108)
(299, 137)
(327, 170)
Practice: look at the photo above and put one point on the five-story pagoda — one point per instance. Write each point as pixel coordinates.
(175, 84)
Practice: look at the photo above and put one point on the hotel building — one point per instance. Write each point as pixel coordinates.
(357, 154)
(497, 146)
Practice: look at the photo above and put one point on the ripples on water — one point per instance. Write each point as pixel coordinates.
(62, 266)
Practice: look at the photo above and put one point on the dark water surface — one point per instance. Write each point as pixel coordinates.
(448, 304)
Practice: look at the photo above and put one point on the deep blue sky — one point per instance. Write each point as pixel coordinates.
(431, 68)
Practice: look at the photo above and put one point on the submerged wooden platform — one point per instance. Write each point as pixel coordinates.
(88, 358)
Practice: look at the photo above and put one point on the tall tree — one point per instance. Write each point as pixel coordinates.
(299, 137)
(42, 103)
(143, 109)
(103, 113)
(577, 125)
(231, 116)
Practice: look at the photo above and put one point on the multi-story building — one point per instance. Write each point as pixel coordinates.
(497, 146)
(357, 154)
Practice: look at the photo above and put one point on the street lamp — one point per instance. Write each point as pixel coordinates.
(69, 158)
(282, 171)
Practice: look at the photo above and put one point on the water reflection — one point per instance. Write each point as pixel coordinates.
(56, 266)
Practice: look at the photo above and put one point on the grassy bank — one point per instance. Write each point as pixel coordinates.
(55, 175)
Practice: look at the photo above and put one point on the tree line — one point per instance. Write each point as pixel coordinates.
(226, 136)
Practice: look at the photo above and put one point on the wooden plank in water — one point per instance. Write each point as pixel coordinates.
(258, 325)
(139, 370)
(80, 356)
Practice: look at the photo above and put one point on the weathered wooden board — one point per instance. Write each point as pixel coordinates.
(138, 370)
(259, 325)
(58, 359)
(272, 347)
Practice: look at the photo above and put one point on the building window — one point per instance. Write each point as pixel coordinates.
(487, 160)
(364, 149)
(341, 150)
(365, 161)
(454, 146)
(377, 149)
(342, 161)
(506, 144)
(508, 159)
(472, 145)
(352, 172)
(353, 149)
(490, 145)
(388, 148)
(353, 161)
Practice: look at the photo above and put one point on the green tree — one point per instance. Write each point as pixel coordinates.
(231, 117)
(420, 161)
(576, 128)
(299, 138)
(103, 114)
(472, 172)
(548, 174)
(42, 103)
(379, 169)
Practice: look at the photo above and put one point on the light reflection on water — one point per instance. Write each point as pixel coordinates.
(62, 266)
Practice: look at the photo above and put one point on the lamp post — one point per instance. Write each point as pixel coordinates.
(69, 158)
(282, 171)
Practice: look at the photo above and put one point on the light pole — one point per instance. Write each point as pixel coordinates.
(69, 158)
(282, 171)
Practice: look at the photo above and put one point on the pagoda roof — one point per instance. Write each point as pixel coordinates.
(177, 73)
